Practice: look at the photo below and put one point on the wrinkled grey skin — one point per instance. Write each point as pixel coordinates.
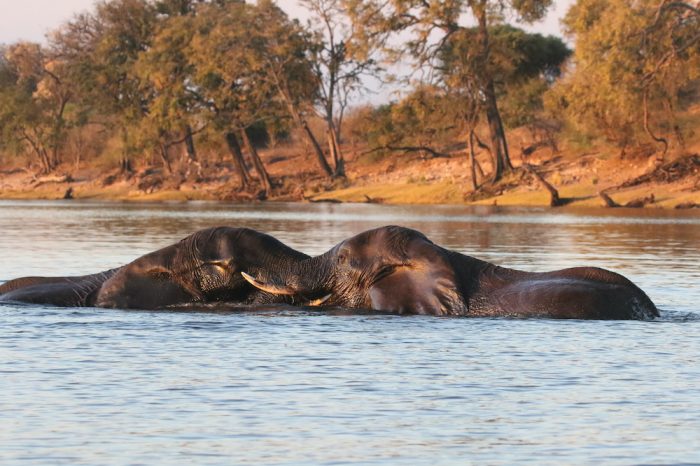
(56, 291)
(400, 270)
(204, 267)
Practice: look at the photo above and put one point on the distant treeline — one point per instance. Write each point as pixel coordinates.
(154, 81)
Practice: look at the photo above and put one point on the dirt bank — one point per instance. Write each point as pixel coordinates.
(579, 177)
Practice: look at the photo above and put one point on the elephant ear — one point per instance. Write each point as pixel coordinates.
(424, 284)
(150, 288)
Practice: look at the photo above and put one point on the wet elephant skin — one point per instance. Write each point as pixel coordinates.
(203, 267)
(399, 270)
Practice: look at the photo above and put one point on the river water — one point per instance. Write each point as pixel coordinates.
(284, 387)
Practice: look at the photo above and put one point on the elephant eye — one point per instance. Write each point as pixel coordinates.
(221, 265)
(342, 257)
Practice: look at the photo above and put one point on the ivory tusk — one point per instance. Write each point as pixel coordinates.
(265, 287)
(319, 301)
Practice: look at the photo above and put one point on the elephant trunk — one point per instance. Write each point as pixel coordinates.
(308, 279)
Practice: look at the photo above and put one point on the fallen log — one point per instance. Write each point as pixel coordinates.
(635, 203)
(641, 202)
(373, 200)
(554, 199)
(52, 179)
(607, 199)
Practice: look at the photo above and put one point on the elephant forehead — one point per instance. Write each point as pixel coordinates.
(218, 244)
(384, 241)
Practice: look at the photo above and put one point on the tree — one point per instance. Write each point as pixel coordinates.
(234, 92)
(338, 68)
(253, 64)
(35, 97)
(432, 25)
(523, 66)
(281, 51)
(99, 50)
(632, 63)
(165, 72)
(413, 124)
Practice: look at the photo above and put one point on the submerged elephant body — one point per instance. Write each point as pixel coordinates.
(399, 270)
(76, 291)
(203, 267)
(391, 269)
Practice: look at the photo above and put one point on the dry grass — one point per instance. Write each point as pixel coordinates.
(443, 192)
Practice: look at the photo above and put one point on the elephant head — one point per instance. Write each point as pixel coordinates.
(399, 270)
(204, 267)
(390, 268)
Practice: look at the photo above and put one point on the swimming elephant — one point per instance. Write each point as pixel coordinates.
(400, 270)
(57, 291)
(203, 267)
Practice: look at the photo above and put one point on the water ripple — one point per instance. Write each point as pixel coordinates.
(285, 386)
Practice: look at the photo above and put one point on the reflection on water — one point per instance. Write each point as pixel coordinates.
(90, 386)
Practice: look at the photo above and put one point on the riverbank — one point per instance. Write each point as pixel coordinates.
(635, 180)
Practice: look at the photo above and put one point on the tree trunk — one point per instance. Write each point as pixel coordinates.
(54, 155)
(124, 163)
(472, 160)
(257, 163)
(301, 121)
(191, 153)
(671, 115)
(317, 149)
(38, 150)
(334, 146)
(609, 202)
(189, 144)
(481, 145)
(56, 141)
(163, 152)
(235, 150)
(45, 160)
(331, 147)
(498, 143)
(647, 127)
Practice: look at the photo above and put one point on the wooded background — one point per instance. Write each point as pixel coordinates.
(189, 85)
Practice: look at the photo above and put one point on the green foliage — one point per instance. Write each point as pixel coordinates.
(34, 99)
(244, 57)
(434, 35)
(147, 71)
(523, 103)
(165, 75)
(340, 61)
(133, 76)
(523, 66)
(100, 51)
(625, 52)
(424, 118)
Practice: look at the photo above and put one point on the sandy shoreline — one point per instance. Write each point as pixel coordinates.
(585, 195)
(393, 180)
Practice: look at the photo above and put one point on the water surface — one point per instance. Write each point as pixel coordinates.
(93, 386)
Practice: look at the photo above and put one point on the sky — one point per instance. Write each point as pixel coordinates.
(32, 19)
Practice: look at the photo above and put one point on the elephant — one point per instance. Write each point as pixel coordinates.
(203, 267)
(56, 291)
(399, 270)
